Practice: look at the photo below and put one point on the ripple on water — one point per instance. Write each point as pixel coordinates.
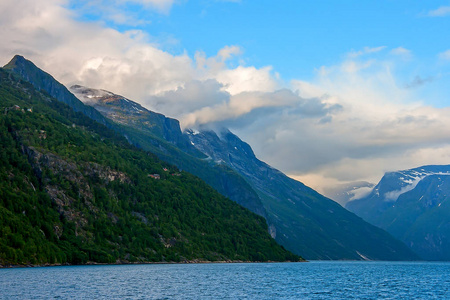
(314, 280)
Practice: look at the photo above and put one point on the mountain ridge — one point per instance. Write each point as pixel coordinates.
(45, 82)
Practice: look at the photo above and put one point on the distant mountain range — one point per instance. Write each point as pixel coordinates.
(414, 206)
(300, 219)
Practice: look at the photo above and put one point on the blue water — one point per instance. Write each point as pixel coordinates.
(313, 280)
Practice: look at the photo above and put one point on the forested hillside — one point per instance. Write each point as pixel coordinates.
(74, 191)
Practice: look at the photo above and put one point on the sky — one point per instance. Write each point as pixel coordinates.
(329, 92)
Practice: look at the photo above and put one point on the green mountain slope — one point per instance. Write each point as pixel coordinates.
(73, 191)
(161, 135)
(149, 131)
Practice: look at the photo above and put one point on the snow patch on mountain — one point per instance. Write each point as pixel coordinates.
(409, 180)
(411, 184)
(88, 95)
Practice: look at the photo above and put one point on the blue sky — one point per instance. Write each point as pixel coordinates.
(296, 38)
(327, 91)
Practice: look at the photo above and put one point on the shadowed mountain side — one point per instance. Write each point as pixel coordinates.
(304, 221)
(414, 206)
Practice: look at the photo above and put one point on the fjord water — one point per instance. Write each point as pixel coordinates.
(313, 280)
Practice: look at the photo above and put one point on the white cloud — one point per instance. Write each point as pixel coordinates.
(402, 52)
(445, 55)
(247, 79)
(440, 12)
(380, 127)
(228, 51)
(128, 63)
(366, 50)
(200, 104)
(235, 80)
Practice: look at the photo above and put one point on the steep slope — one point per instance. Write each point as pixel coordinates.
(144, 129)
(301, 219)
(43, 81)
(126, 112)
(414, 206)
(73, 191)
(161, 135)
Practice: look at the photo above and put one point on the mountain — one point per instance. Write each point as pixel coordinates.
(163, 136)
(299, 218)
(303, 230)
(126, 112)
(414, 206)
(74, 191)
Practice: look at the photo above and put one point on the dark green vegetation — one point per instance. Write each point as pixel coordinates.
(414, 206)
(74, 191)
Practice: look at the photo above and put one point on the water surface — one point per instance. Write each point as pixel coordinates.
(313, 280)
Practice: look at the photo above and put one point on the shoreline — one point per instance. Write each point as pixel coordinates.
(195, 261)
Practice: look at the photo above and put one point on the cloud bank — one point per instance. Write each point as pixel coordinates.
(353, 120)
